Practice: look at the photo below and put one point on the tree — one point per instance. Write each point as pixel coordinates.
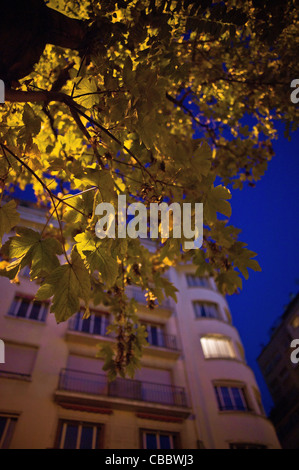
(116, 113)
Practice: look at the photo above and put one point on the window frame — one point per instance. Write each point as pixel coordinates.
(97, 438)
(17, 302)
(174, 438)
(160, 332)
(77, 323)
(3, 437)
(206, 284)
(206, 304)
(224, 339)
(221, 400)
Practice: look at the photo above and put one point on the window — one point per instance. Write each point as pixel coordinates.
(77, 435)
(158, 440)
(207, 310)
(7, 426)
(96, 324)
(155, 335)
(25, 307)
(19, 361)
(295, 322)
(214, 346)
(197, 281)
(231, 398)
(242, 445)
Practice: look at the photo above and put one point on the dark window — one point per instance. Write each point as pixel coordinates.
(86, 437)
(95, 324)
(231, 398)
(23, 308)
(98, 325)
(27, 308)
(7, 426)
(77, 435)
(158, 440)
(207, 310)
(151, 441)
(197, 281)
(70, 439)
(35, 310)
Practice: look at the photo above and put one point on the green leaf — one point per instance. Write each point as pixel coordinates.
(41, 253)
(44, 259)
(201, 160)
(98, 257)
(229, 282)
(31, 121)
(216, 202)
(88, 88)
(9, 217)
(67, 284)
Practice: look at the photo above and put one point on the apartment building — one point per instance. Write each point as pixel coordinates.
(194, 389)
(282, 375)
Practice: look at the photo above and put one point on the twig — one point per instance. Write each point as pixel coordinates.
(46, 188)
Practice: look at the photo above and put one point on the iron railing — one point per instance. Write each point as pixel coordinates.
(14, 375)
(97, 384)
(138, 295)
(87, 326)
(160, 339)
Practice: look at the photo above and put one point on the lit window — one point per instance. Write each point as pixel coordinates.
(7, 426)
(295, 322)
(205, 309)
(158, 440)
(96, 324)
(217, 347)
(24, 307)
(197, 281)
(231, 398)
(75, 435)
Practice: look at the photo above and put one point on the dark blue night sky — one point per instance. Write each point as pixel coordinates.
(268, 217)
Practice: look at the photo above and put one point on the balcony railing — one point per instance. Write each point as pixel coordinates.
(97, 384)
(15, 375)
(160, 339)
(138, 295)
(92, 325)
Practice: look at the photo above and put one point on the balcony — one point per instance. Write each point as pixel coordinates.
(162, 340)
(138, 295)
(88, 331)
(94, 389)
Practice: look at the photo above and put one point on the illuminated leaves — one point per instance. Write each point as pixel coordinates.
(216, 201)
(9, 217)
(86, 92)
(166, 119)
(67, 284)
(95, 252)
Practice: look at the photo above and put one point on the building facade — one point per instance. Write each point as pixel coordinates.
(281, 374)
(194, 389)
